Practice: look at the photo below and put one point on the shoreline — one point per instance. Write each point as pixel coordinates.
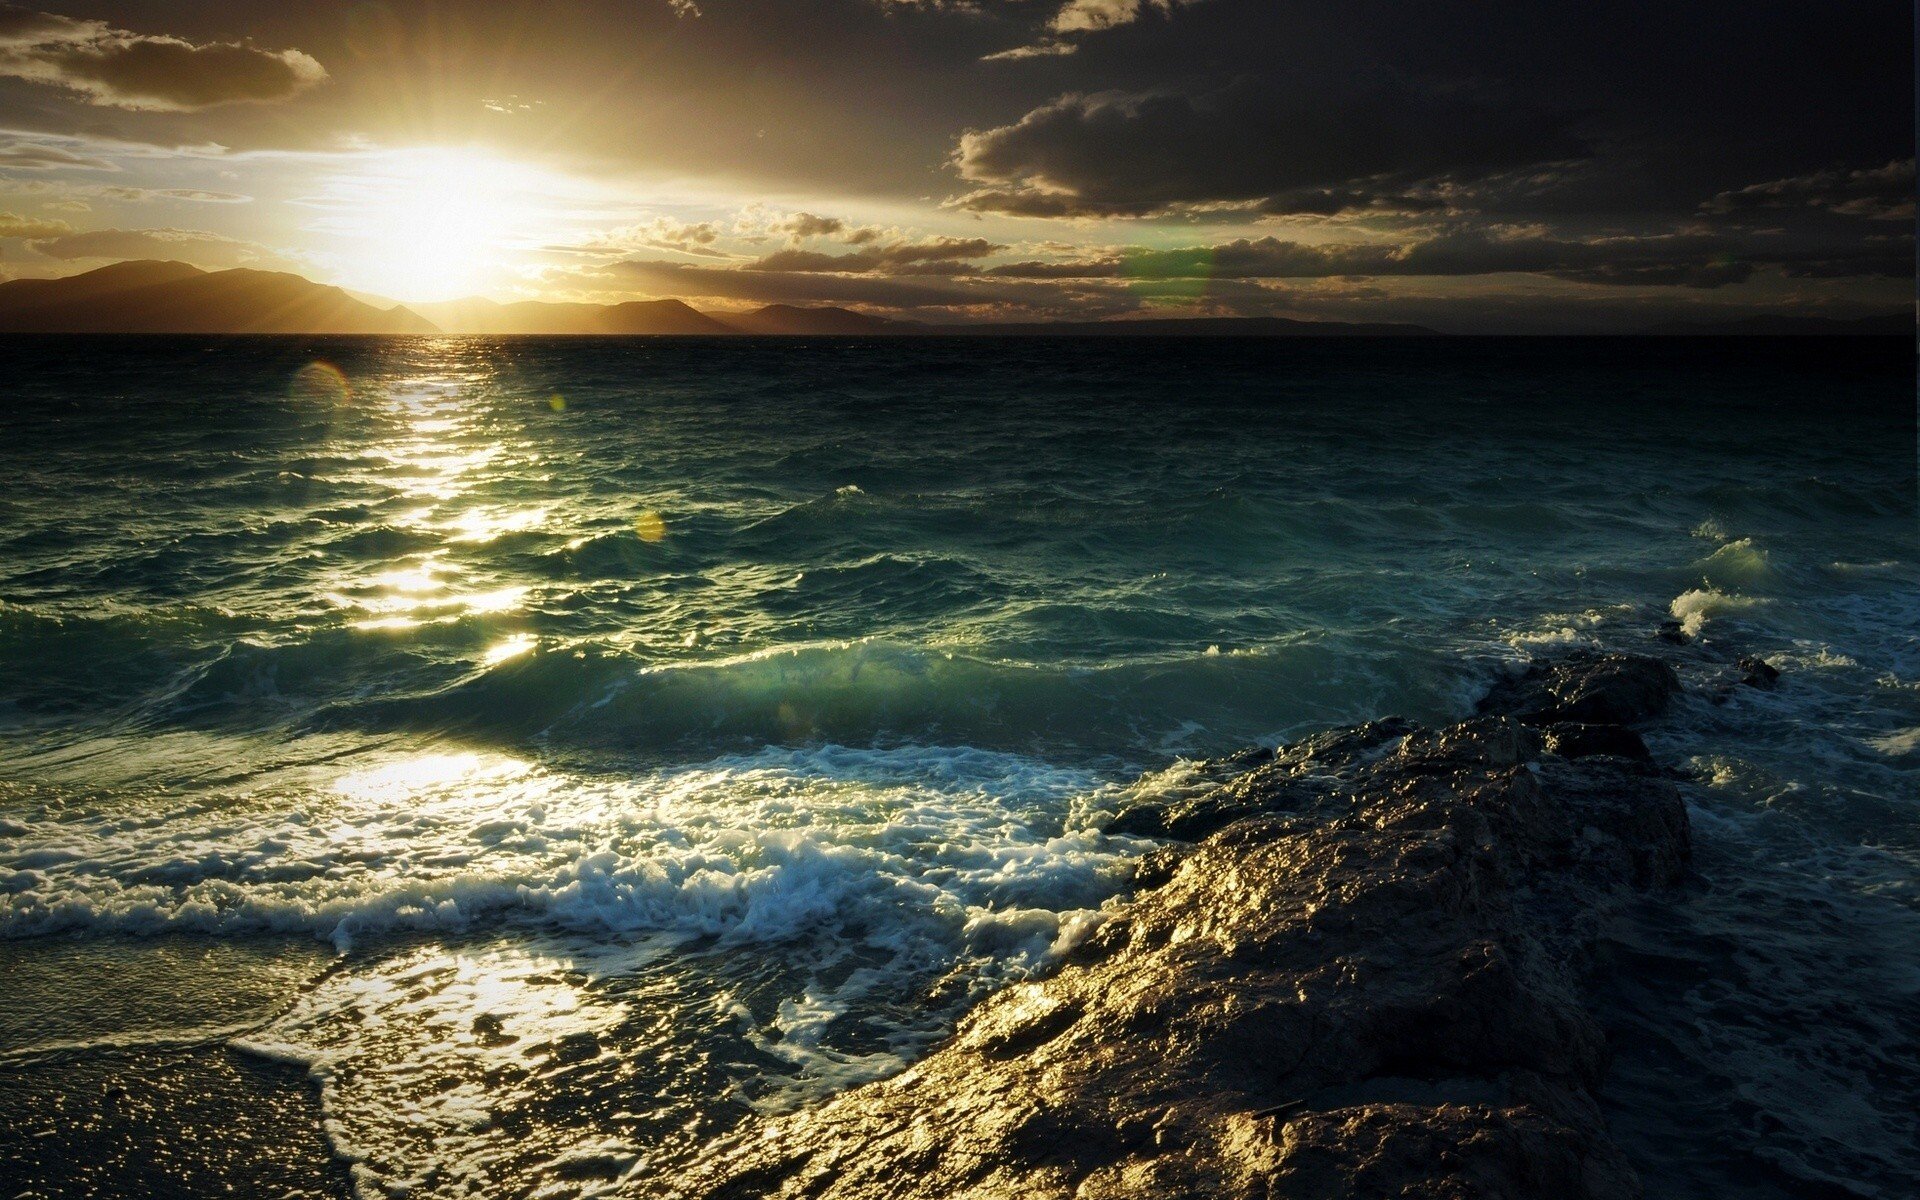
(1353, 969)
(1360, 976)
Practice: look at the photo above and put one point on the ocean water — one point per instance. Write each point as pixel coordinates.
(548, 753)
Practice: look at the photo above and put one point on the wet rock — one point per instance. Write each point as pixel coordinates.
(1289, 779)
(1758, 672)
(575, 1047)
(1586, 687)
(490, 1031)
(1569, 739)
(1362, 981)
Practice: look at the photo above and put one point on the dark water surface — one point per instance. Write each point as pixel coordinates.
(558, 749)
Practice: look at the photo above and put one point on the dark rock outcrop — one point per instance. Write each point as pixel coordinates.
(1570, 739)
(1586, 687)
(1362, 982)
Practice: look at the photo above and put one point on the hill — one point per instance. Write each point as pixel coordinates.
(789, 319)
(534, 316)
(173, 297)
(1197, 327)
(1897, 324)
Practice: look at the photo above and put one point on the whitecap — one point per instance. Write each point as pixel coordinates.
(1693, 608)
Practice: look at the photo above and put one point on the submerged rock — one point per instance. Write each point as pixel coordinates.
(1362, 982)
(1758, 672)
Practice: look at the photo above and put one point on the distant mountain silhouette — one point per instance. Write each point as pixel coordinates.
(1899, 324)
(172, 297)
(535, 316)
(1199, 327)
(790, 319)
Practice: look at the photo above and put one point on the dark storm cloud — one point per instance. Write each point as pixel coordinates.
(141, 71)
(1604, 116)
(1731, 153)
(1284, 142)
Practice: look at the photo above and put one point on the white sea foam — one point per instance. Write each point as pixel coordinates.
(1553, 631)
(837, 880)
(1694, 608)
(755, 847)
(600, 940)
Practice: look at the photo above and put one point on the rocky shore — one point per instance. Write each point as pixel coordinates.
(1355, 971)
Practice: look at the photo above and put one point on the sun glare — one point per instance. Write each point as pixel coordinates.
(430, 223)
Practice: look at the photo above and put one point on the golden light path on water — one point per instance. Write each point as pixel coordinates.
(458, 1017)
(441, 459)
(437, 457)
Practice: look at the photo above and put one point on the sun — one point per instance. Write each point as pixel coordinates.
(429, 223)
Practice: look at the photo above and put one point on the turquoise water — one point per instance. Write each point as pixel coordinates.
(717, 717)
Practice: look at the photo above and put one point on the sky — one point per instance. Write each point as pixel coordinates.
(1477, 167)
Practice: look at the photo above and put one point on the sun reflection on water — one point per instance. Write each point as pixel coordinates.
(439, 455)
(412, 778)
(513, 647)
(484, 525)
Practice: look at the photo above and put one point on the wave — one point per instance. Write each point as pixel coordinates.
(1737, 563)
(1694, 608)
(873, 691)
(971, 845)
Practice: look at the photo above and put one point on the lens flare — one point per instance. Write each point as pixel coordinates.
(321, 382)
(650, 526)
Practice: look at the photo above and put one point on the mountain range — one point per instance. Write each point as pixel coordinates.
(172, 297)
(1791, 325)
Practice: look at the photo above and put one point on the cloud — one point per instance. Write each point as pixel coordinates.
(197, 246)
(63, 193)
(1878, 193)
(141, 195)
(929, 256)
(1086, 16)
(661, 233)
(757, 223)
(1278, 143)
(937, 295)
(145, 71)
(26, 154)
(13, 225)
(806, 225)
(1672, 260)
(1048, 49)
(1078, 18)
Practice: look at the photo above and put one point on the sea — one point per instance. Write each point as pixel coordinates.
(462, 767)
